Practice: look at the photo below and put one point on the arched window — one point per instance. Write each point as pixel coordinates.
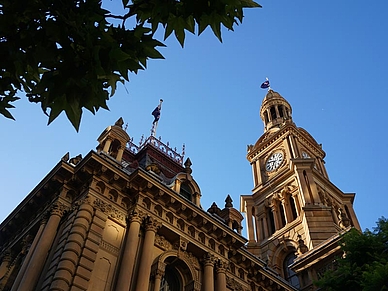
(186, 191)
(293, 207)
(114, 148)
(266, 117)
(171, 280)
(289, 274)
(282, 216)
(273, 113)
(271, 221)
(281, 113)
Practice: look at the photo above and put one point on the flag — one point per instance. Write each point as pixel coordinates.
(265, 84)
(156, 114)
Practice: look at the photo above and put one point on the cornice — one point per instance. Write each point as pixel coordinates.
(169, 199)
(289, 129)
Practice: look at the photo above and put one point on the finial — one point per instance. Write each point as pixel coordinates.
(66, 157)
(214, 209)
(119, 122)
(188, 166)
(126, 126)
(141, 140)
(228, 202)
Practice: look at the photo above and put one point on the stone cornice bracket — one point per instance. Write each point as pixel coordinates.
(183, 243)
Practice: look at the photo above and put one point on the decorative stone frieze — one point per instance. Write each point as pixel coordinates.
(108, 209)
(161, 242)
(234, 285)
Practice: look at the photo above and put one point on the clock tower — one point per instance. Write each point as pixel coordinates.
(294, 210)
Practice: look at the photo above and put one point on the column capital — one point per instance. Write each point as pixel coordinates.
(208, 259)
(158, 269)
(152, 224)
(221, 266)
(7, 256)
(58, 208)
(135, 216)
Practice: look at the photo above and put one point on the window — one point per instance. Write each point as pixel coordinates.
(282, 216)
(273, 113)
(289, 274)
(185, 191)
(271, 221)
(280, 108)
(170, 280)
(293, 207)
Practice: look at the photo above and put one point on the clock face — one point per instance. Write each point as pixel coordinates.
(305, 155)
(274, 161)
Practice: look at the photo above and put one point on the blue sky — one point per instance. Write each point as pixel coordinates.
(328, 60)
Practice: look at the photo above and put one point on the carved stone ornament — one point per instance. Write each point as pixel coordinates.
(158, 269)
(221, 266)
(161, 242)
(152, 224)
(183, 243)
(136, 216)
(109, 210)
(190, 257)
(344, 221)
(58, 208)
(302, 248)
(79, 202)
(233, 284)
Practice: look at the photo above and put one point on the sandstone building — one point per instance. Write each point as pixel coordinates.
(129, 218)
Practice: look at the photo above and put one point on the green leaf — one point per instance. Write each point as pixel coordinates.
(5, 103)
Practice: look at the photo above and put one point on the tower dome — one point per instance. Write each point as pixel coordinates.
(275, 111)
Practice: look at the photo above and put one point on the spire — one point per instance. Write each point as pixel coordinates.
(275, 110)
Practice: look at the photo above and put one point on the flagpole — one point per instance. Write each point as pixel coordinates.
(155, 124)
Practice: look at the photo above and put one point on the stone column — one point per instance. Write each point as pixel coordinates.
(287, 210)
(43, 246)
(250, 230)
(265, 226)
(107, 145)
(208, 271)
(27, 259)
(158, 272)
(143, 278)
(258, 173)
(260, 228)
(6, 260)
(128, 259)
(296, 203)
(73, 248)
(197, 198)
(275, 217)
(221, 276)
(120, 153)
